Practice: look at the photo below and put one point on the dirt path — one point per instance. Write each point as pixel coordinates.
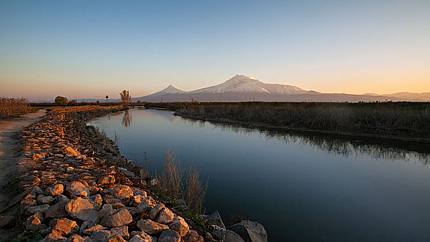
(10, 151)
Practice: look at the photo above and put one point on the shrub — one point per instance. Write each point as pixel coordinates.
(13, 106)
(60, 100)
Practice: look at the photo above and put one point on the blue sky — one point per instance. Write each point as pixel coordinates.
(93, 48)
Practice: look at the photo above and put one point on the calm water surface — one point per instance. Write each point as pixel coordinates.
(300, 188)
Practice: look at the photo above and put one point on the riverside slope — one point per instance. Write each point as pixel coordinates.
(77, 187)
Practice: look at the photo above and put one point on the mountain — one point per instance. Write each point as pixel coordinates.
(410, 96)
(244, 84)
(241, 88)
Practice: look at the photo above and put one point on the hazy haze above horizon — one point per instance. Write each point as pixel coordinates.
(84, 49)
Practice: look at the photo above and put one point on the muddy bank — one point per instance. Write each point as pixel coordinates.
(77, 187)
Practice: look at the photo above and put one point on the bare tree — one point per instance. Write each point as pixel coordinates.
(125, 97)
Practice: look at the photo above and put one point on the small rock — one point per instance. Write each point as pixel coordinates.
(180, 226)
(77, 189)
(57, 210)
(76, 238)
(37, 209)
(151, 227)
(122, 192)
(121, 231)
(55, 190)
(54, 236)
(100, 236)
(218, 232)
(165, 216)
(72, 152)
(45, 199)
(193, 236)
(169, 236)
(120, 218)
(94, 228)
(34, 222)
(65, 226)
(156, 210)
(97, 199)
(106, 180)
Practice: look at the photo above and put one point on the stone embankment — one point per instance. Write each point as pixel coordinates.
(77, 187)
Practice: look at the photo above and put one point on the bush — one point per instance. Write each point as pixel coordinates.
(60, 100)
(13, 106)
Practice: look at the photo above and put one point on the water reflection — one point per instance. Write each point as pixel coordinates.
(346, 146)
(126, 119)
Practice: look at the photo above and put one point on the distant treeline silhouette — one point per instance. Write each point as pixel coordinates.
(397, 120)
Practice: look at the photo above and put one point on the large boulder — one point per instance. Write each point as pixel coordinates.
(180, 226)
(122, 192)
(250, 231)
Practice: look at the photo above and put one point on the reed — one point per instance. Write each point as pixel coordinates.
(11, 107)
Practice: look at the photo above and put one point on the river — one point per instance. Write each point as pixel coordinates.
(300, 187)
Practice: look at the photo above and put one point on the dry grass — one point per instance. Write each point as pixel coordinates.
(174, 184)
(195, 191)
(10, 107)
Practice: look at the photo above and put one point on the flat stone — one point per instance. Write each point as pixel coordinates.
(151, 227)
(122, 192)
(165, 216)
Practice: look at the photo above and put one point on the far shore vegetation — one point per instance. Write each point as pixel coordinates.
(407, 121)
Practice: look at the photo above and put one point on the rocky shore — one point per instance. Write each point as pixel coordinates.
(77, 187)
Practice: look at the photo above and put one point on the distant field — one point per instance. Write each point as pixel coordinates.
(395, 120)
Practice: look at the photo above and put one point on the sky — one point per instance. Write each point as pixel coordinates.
(96, 48)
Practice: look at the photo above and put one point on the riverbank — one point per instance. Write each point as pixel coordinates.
(77, 186)
(402, 121)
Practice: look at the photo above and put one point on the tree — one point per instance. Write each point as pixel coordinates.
(125, 97)
(60, 100)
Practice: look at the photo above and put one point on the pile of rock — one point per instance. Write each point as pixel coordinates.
(79, 188)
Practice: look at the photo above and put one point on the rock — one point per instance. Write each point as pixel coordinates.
(141, 236)
(105, 211)
(156, 210)
(218, 232)
(137, 238)
(93, 229)
(215, 219)
(65, 226)
(165, 216)
(106, 180)
(121, 231)
(116, 238)
(55, 190)
(100, 236)
(146, 204)
(7, 221)
(180, 226)
(137, 199)
(151, 227)
(169, 236)
(77, 189)
(97, 199)
(34, 223)
(193, 236)
(122, 192)
(76, 238)
(72, 152)
(81, 208)
(54, 236)
(42, 199)
(58, 209)
(250, 231)
(231, 236)
(120, 218)
(29, 200)
(37, 209)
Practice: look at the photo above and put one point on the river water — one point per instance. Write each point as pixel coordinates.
(301, 187)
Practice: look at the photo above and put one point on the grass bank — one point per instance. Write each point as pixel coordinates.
(392, 120)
